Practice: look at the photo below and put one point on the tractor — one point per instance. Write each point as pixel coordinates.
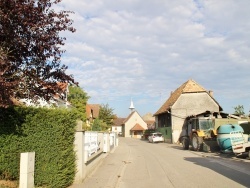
(200, 129)
(197, 130)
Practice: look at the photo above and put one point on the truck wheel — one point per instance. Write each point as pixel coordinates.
(185, 143)
(249, 154)
(196, 142)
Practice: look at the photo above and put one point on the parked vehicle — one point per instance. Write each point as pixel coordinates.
(147, 133)
(120, 134)
(225, 136)
(199, 129)
(240, 143)
(155, 137)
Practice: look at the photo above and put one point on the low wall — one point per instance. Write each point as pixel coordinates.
(91, 147)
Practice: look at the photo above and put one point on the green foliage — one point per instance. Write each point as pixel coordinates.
(99, 125)
(78, 98)
(239, 110)
(47, 132)
(106, 115)
(86, 127)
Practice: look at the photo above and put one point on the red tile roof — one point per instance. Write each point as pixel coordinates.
(137, 127)
(62, 86)
(119, 121)
(95, 109)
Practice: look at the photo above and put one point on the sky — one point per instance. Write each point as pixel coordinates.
(140, 50)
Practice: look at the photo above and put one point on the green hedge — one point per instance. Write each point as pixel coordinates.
(47, 132)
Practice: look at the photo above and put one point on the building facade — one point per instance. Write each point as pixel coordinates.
(187, 100)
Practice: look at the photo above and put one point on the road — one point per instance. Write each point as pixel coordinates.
(139, 164)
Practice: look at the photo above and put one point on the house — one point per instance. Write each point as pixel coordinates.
(150, 120)
(189, 99)
(59, 100)
(117, 127)
(92, 112)
(121, 125)
(134, 126)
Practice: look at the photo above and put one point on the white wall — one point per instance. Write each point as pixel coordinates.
(116, 129)
(130, 123)
(189, 104)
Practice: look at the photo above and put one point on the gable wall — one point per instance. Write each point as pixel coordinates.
(189, 104)
(116, 129)
(135, 118)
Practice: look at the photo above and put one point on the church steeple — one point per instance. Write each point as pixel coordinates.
(132, 108)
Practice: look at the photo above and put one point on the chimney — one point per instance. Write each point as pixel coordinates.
(211, 93)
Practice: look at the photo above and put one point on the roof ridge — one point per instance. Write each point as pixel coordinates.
(190, 86)
(137, 127)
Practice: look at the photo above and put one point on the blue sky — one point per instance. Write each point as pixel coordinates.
(145, 49)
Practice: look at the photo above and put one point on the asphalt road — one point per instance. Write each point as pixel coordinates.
(139, 164)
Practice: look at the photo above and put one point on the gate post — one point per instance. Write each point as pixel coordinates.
(27, 168)
(80, 153)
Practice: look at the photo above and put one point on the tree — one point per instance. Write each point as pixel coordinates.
(30, 49)
(78, 98)
(106, 114)
(239, 110)
(5, 87)
(99, 125)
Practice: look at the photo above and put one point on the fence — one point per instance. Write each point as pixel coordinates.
(90, 147)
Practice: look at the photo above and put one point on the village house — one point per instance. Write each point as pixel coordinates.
(117, 127)
(187, 100)
(150, 120)
(132, 126)
(59, 100)
(92, 112)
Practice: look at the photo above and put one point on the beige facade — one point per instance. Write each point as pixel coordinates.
(188, 105)
(134, 120)
(187, 100)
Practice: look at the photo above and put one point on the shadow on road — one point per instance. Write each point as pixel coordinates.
(216, 153)
(240, 176)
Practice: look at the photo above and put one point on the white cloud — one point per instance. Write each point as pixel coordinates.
(146, 49)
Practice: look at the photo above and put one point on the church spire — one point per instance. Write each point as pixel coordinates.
(131, 106)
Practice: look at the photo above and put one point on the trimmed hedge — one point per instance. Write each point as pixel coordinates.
(47, 132)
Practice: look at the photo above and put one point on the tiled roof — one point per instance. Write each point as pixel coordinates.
(95, 108)
(63, 86)
(119, 121)
(137, 127)
(188, 87)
